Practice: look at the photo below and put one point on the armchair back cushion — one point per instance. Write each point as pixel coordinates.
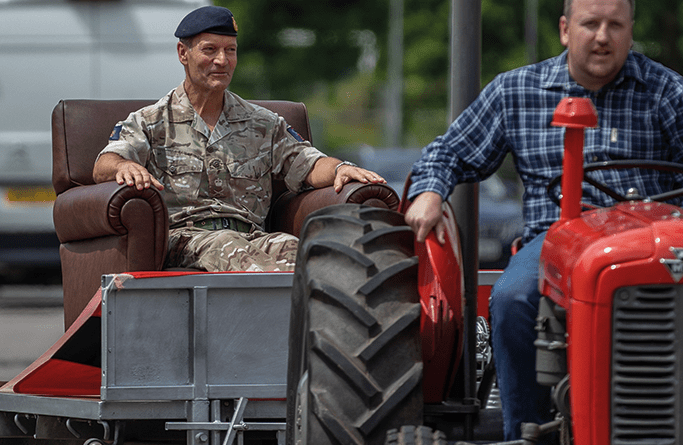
(81, 128)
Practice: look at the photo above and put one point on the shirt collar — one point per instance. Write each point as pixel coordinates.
(234, 107)
(557, 73)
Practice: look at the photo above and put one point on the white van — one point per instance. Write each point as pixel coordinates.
(66, 49)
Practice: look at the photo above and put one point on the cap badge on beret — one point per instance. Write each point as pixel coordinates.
(211, 19)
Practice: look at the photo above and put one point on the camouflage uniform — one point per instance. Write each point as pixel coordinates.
(226, 172)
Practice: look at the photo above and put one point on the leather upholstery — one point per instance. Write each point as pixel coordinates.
(106, 228)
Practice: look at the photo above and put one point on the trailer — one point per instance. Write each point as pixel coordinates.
(198, 358)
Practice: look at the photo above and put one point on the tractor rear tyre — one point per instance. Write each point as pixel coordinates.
(355, 362)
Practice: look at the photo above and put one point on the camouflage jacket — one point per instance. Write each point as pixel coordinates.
(224, 173)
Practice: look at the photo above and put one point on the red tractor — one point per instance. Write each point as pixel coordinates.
(380, 336)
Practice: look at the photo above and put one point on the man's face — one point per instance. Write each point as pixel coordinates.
(598, 35)
(210, 62)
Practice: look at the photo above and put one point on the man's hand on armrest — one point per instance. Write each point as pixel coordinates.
(331, 171)
(112, 167)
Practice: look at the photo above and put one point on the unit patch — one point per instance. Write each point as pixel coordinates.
(115, 134)
(294, 134)
(674, 266)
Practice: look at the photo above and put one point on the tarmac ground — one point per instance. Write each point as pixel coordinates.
(31, 320)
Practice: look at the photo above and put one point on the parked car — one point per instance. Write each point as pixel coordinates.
(500, 206)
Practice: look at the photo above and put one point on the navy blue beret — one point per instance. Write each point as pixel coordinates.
(211, 19)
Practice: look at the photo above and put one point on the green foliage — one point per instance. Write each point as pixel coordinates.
(325, 30)
(658, 31)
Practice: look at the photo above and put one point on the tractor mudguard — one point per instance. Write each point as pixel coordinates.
(441, 288)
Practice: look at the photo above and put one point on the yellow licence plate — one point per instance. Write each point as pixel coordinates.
(30, 194)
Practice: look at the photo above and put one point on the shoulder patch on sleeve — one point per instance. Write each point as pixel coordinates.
(294, 134)
(116, 133)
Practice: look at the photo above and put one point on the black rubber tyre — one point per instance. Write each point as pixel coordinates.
(415, 435)
(355, 362)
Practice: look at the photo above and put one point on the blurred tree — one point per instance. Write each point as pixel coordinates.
(290, 45)
(658, 32)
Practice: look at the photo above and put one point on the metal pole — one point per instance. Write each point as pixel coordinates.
(464, 88)
(394, 103)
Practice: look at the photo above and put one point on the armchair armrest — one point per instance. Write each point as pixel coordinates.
(289, 211)
(109, 209)
(106, 228)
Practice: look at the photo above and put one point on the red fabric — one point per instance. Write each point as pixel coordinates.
(56, 377)
(177, 273)
(48, 376)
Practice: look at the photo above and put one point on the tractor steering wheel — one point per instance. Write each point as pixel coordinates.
(621, 165)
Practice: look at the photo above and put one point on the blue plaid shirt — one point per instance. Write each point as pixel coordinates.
(640, 116)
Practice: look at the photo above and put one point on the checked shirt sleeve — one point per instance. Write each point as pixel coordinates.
(471, 150)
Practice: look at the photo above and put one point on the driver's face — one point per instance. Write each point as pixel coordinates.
(598, 36)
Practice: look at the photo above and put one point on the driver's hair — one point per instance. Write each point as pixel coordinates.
(568, 8)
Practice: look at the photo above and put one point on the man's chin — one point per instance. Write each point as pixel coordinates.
(603, 72)
(219, 86)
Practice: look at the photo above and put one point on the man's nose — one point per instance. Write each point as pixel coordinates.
(221, 58)
(602, 34)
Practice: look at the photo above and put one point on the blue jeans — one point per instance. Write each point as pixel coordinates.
(513, 310)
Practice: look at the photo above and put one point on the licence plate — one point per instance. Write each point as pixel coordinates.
(35, 194)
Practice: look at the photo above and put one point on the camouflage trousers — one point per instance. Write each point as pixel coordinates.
(228, 250)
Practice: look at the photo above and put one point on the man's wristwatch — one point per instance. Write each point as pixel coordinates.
(336, 169)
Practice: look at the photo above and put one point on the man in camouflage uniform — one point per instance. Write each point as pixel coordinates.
(213, 155)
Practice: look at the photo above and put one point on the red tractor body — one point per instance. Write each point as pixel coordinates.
(586, 264)
(441, 289)
(616, 273)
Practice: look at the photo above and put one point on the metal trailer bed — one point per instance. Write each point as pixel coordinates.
(200, 358)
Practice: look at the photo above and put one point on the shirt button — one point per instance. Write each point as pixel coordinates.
(210, 149)
(215, 163)
(172, 169)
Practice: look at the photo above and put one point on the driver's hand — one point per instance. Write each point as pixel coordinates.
(425, 214)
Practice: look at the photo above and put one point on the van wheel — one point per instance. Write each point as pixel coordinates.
(355, 363)
(415, 435)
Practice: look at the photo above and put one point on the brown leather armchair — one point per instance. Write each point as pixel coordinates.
(107, 228)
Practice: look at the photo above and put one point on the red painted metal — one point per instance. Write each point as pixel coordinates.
(441, 289)
(586, 258)
(576, 114)
(442, 295)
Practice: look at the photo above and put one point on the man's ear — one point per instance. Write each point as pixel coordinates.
(182, 52)
(564, 31)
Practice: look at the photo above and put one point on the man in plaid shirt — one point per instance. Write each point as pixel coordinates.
(638, 103)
